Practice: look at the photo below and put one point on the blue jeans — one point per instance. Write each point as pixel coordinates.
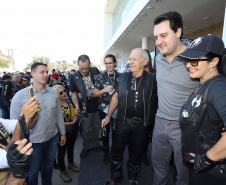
(5, 111)
(42, 159)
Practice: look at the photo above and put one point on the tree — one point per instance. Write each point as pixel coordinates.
(42, 59)
(4, 60)
(64, 65)
(51, 66)
(27, 68)
(4, 63)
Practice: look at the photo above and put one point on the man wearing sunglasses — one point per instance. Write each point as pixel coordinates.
(82, 88)
(135, 98)
(25, 82)
(174, 86)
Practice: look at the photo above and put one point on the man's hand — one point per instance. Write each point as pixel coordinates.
(30, 109)
(105, 121)
(77, 111)
(18, 157)
(108, 88)
(62, 140)
(74, 119)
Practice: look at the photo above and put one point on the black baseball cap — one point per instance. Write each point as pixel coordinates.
(26, 78)
(202, 45)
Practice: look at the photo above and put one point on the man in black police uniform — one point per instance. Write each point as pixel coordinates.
(135, 98)
(82, 87)
(10, 88)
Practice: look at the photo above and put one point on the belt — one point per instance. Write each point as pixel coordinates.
(134, 118)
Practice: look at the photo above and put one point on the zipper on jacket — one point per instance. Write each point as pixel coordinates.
(126, 107)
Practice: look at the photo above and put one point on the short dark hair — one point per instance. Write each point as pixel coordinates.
(36, 64)
(111, 56)
(6, 77)
(73, 70)
(60, 75)
(83, 58)
(149, 64)
(174, 18)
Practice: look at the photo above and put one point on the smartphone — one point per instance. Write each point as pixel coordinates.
(31, 92)
(23, 128)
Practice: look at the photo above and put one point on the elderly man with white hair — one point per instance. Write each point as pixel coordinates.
(135, 99)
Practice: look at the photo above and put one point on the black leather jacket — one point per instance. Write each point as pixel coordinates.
(149, 97)
(200, 130)
(81, 87)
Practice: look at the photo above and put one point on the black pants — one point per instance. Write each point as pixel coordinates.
(105, 138)
(69, 146)
(204, 178)
(135, 135)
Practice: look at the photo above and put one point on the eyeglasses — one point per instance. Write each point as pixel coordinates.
(133, 87)
(195, 62)
(109, 63)
(64, 91)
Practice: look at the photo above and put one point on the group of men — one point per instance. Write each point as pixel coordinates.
(9, 85)
(136, 107)
(134, 96)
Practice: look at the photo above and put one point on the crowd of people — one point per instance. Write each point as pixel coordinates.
(180, 107)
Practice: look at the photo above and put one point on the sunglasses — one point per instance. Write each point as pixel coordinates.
(133, 87)
(64, 91)
(195, 62)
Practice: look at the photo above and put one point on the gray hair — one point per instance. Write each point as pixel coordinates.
(144, 53)
(16, 75)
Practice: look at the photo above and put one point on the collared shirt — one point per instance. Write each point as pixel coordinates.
(174, 86)
(50, 118)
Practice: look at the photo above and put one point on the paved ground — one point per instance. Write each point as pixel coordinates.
(56, 180)
(92, 170)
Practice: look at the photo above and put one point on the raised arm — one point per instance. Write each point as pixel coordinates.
(99, 93)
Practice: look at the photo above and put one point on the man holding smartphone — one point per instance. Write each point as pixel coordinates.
(44, 135)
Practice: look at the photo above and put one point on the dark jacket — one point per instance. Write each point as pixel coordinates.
(103, 80)
(200, 130)
(149, 97)
(81, 87)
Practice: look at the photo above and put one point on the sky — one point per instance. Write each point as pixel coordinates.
(57, 29)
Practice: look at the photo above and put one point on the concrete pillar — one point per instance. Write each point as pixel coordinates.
(145, 43)
(224, 28)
